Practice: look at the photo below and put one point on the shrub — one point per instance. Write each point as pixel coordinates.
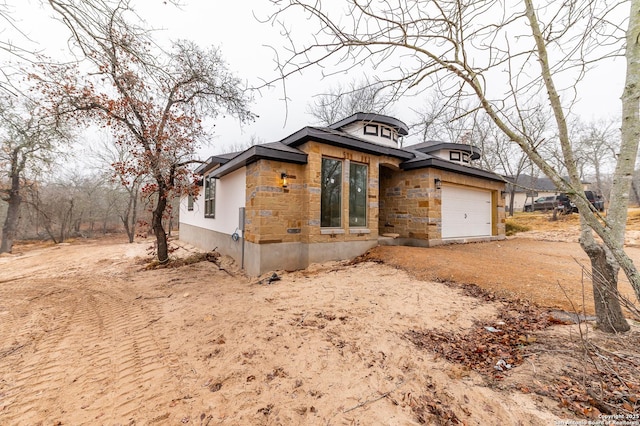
(512, 227)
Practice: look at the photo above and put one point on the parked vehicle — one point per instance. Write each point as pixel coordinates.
(551, 202)
(595, 199)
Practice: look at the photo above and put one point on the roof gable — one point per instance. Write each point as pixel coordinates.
(374, 118)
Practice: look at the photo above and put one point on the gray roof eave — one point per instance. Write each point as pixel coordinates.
(260, 152)
(439, 163)
(211, 162)
(445, 145)
(336, 138)
(377, 118)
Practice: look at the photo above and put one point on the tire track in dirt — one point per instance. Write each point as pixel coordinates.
(98, 344)
(30, 327)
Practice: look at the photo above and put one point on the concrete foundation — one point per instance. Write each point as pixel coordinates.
(416, 242)
(207, 239)
(261, 258)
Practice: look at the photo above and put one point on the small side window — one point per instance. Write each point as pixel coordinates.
(371, 129)
(210, 197)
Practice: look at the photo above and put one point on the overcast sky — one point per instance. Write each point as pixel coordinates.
(245, 45)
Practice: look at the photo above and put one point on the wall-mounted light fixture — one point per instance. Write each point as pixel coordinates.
(283, 177)
(438, 183)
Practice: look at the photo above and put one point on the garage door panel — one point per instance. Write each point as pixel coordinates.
(466, 212)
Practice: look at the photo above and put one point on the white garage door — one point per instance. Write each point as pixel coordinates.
(465, 212)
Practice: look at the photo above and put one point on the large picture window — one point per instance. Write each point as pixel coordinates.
(331, 193)
(357, 194)
(210, 197)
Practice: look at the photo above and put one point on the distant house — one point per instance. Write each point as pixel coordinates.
(331, 193)
(528, 188)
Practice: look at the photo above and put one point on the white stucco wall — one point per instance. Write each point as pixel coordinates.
(230, 196)
(445, 154)
(521, 199)
(357, 129)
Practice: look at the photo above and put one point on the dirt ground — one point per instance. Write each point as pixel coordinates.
(548, 268)
(88, 335)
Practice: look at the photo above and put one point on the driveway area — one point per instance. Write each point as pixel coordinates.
(545, 267)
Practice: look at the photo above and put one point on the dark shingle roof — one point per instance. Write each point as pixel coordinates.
(377, 118)
(412, 157)
(271, 151)
(525, 183)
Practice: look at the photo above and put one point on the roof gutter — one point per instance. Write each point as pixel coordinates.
(259, 152)
(438, 163)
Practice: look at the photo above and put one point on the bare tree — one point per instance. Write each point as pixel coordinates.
(9, 72)
(241, 146)
(28, 140)
(597, 143)
(440, 119)
(342, 101)
(153, 102)
(113, 158)
(55, 206)
(465, 49)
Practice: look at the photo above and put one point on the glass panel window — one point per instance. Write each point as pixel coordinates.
(371, 129)
(331, 193)
(190, 202)
(357, 194)
(210, 197)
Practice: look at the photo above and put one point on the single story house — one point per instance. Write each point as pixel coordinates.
(527, 188)
(332, 193)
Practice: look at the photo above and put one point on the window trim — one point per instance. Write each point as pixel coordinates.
(322, 189)
(371, 129)
(454, 155)
(210, 197)
(366, 192)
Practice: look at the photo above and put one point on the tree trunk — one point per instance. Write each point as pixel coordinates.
(512, 195)
(50, 231)
(130, 214)
(170, 225)
(125, 219)
(605, 277)
(13, 214)
(604, 270)
(134, 213)
(158, 229)
(634, 188)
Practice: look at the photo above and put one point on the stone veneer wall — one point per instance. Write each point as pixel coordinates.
(314, 232)
(283, 229)
(274, 214)
(283, 224)
(411, 206)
